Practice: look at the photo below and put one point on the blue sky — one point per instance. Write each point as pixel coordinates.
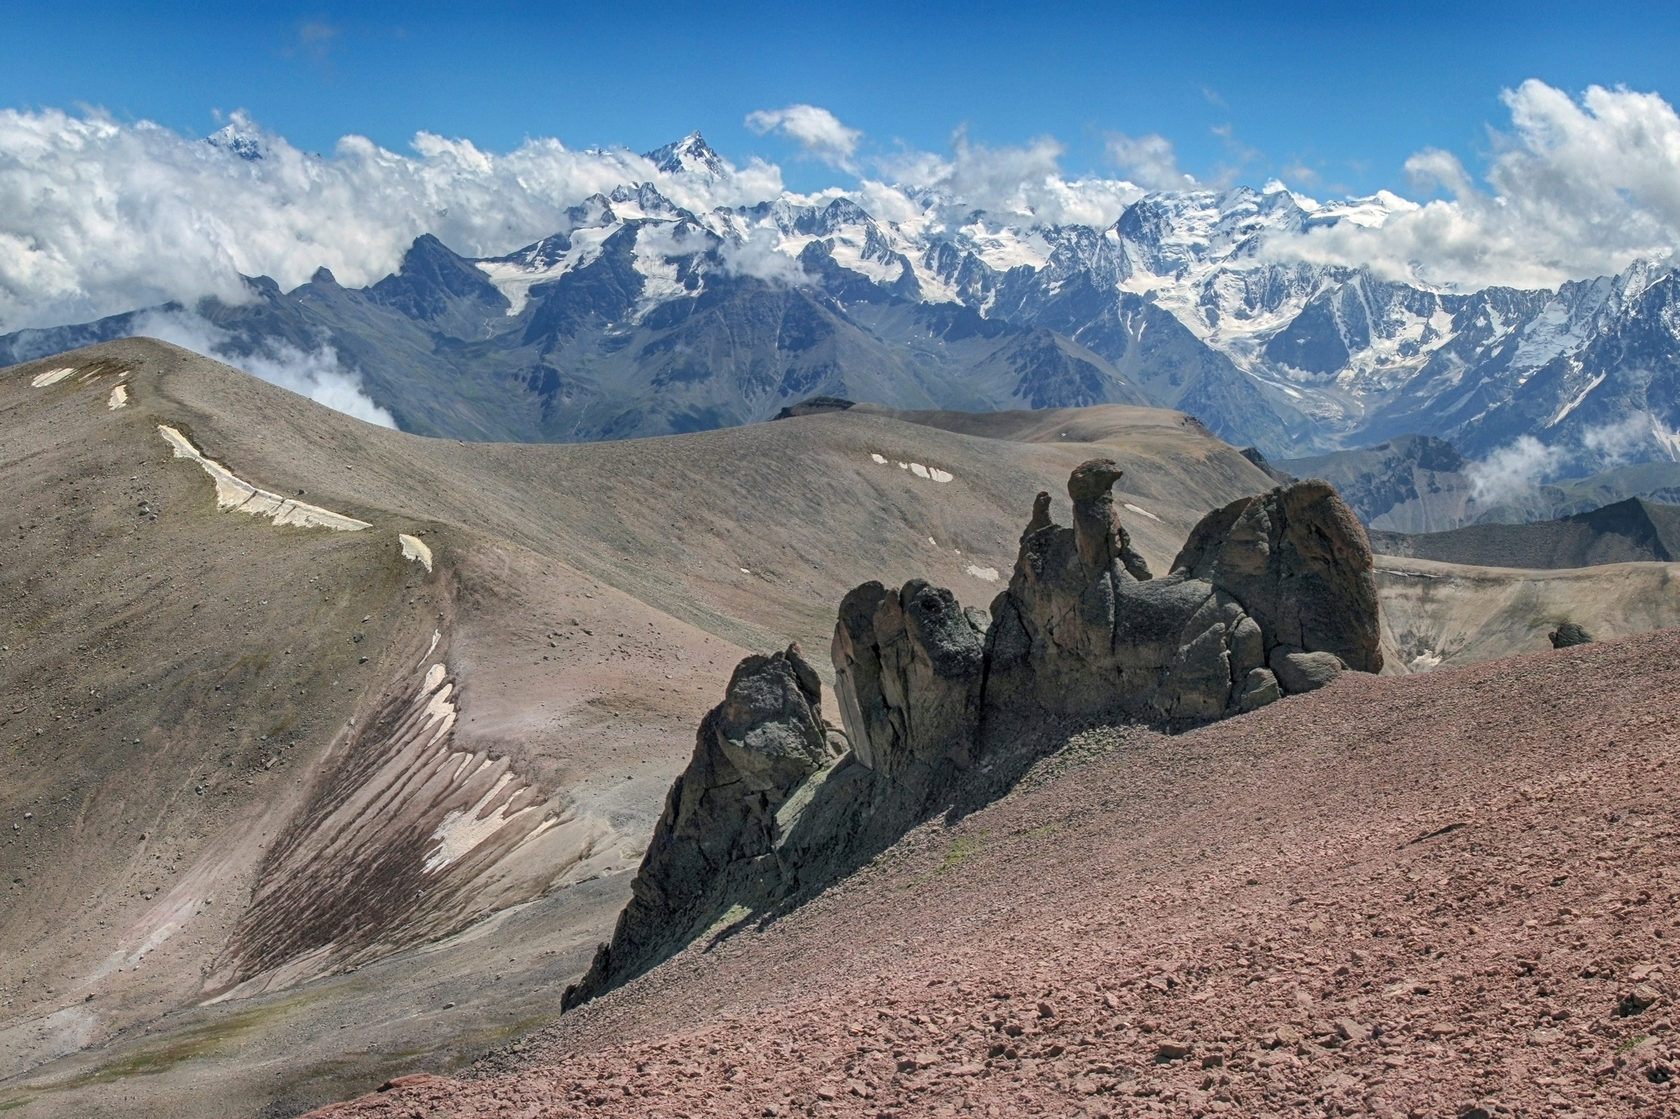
(1334, 97)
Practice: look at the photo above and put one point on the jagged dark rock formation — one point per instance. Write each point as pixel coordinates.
(1252, 454)
(1569, 633)
(1271, 595)
(718, 834)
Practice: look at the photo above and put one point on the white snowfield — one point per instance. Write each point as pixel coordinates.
(413, 548)
(118, 398)
(987, 574)
(233, 492)
(50, 377)
(462, 830)
(1140, 511)
(920, 470)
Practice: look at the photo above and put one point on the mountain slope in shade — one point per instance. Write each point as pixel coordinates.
(1628, 531)
(1419, 484)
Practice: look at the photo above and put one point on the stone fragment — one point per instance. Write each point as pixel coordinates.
(1637, 1001)
(1260, 687)
(1304, 672)
(1350, 1030)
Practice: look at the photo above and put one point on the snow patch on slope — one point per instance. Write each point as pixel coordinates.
(233, 492)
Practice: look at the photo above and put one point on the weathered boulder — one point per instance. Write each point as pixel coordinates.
(1260, 687)
(907, 668)
(1567, 634)
(1299, 562)
(719, 828)
(1304, 672)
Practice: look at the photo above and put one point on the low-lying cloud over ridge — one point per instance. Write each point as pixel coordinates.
(99, 216)
(316, 374)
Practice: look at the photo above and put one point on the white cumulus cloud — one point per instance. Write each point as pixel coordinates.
(1576, 188)
(1513, 470)
(1014, 181)
(814, 128)
(1150, 161)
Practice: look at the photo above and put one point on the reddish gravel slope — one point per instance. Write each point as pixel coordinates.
(1452, 894)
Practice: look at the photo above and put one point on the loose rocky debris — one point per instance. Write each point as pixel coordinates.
(1205, 924)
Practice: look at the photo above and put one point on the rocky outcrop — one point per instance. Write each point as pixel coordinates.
(1569, 633)
(1271, 595)
(716, 839)
(1299, 562)
(942, 705)
(814, 406)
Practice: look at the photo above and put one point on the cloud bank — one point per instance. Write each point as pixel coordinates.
(1574, 189)
(99, 216)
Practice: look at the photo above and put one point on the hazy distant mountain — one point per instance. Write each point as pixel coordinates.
(1420, 484)
(1630, 531)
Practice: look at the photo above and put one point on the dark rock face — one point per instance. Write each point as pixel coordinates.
(908, 670)
(1298, 560)
(1567, 634)
(719, 829)
(1271, 595)
(815, 406)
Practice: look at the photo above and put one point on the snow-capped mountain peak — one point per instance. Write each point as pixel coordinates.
(692, 156)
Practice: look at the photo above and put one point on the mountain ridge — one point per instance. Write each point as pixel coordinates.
(1187, 300)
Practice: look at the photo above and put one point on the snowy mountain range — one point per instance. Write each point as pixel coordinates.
(642, 315)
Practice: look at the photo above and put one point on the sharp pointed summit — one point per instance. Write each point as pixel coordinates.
(692, 155)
